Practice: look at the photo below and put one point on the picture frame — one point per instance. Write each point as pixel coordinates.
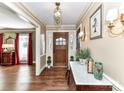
(96, 24)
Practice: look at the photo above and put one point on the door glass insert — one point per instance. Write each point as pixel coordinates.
(60, 41)
(57, 41)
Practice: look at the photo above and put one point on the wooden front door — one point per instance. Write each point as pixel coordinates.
(60, 48)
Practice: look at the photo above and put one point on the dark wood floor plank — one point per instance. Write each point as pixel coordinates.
(22, 77)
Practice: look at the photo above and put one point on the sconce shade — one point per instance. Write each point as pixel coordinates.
(112, 15)
(81, 34)
(121, 12)
(121, 9)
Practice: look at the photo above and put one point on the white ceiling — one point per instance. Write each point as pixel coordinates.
(71, 11)
(9, 19)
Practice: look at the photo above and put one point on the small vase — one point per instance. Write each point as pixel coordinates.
(48, 66)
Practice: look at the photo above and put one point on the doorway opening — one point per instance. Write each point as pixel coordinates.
(23, 48)
(60, 48)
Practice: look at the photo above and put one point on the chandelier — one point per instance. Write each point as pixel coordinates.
(57, 14)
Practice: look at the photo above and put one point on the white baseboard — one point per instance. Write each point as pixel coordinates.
(27, 62)
(115, 84)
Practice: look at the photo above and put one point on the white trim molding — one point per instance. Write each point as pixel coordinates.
(17, 30)
(49, 43)
(84, 11)
(89, 7)
(116, 86)
(62, 27)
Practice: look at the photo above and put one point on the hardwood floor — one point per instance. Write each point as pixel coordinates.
(60, 64)
(22, 77)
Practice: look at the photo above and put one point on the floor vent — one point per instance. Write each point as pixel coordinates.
(115, 88)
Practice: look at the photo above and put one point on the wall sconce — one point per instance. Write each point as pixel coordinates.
(113, 16)
(82, 35)
(121, 12)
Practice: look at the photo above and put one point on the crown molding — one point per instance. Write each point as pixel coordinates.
(20, 9)
(17, 30)
(29, 13)
(80, 26)
(62, 27)
(84, 13)
(90, 6)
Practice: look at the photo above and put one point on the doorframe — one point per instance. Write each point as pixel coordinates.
(67, 46)
(49, 49)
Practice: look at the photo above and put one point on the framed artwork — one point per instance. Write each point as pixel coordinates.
(96, 24)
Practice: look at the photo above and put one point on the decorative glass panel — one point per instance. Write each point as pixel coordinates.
(60, 41)
(64, 42)
(57, 41)
(60, 38)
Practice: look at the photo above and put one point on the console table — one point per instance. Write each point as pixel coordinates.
(8, 58)
(80, 80)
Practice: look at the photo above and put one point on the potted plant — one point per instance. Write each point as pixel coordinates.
(48, 61)
(71, 58)
(85, 55)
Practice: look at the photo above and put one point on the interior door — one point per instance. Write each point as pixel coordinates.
(60, 48)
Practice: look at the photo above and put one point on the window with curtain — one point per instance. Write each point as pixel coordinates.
(23, 47)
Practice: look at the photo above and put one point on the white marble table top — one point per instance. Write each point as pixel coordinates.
(81, 76)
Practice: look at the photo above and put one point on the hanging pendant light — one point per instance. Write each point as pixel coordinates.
(57, 14)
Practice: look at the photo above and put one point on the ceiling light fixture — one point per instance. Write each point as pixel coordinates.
(57, 13)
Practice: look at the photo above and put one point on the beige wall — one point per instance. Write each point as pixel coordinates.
(107, 50)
